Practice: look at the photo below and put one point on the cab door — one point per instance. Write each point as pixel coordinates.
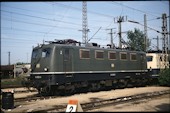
(143, 62)
(67, 59)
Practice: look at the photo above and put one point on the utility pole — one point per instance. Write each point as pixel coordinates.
(164, 40)
(120, 20)
(145, 33)
(111, 37)
(157, 42)
(27, 57)
(9, 58)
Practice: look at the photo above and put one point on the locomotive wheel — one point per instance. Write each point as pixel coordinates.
(122, 83)
(95, 86)
(46, 91)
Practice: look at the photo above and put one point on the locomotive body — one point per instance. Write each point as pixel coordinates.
(57, 67)
(155, 62)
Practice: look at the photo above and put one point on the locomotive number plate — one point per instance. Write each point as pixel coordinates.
(38, 77)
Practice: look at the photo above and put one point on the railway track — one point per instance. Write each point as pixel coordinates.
(33, 98)
(16, 91)
(96, 103)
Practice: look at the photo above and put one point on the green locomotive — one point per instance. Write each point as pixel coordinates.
(66, 66)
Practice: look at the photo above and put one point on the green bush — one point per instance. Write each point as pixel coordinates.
(12, 82)
(164, 77)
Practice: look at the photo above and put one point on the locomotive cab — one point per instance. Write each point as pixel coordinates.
(40, 58)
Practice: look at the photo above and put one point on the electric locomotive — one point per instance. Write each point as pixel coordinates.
(66, 66)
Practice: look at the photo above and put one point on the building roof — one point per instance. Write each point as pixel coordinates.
(7, 67)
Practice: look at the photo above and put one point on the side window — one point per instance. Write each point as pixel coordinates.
(84, 53)
(111, 55)
(123, 56)
(149, 58)
(99, 54)
(46, 52)
(133, 57)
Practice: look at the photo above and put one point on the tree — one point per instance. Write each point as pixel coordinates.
(164, 77)
(136, 40)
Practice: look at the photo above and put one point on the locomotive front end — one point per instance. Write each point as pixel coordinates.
(40, 68)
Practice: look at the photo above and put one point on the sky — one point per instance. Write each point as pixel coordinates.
(24, 25)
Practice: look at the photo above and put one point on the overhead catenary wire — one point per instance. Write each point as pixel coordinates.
(34, 31)
(58, 15)
(49, 19)
(144, 12)
(40, 17)
(40, 24)
(79, 9)
(147, 26)
(56, 23)
(66, 28)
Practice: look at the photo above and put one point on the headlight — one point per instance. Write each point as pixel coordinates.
(45, 69)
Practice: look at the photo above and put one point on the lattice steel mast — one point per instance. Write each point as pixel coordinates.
(85, 29)
(165, 40)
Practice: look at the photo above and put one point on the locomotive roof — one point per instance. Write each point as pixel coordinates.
(84, 47)
(73, 44)
(155, 51)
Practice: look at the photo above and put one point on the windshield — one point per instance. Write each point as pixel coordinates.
(35, 53)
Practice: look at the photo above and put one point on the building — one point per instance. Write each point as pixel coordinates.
(7, 71)
(12, 71)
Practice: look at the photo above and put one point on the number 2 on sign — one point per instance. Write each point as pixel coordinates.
(71, 108)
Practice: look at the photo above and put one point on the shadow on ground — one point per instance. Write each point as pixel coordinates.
(163, 107)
